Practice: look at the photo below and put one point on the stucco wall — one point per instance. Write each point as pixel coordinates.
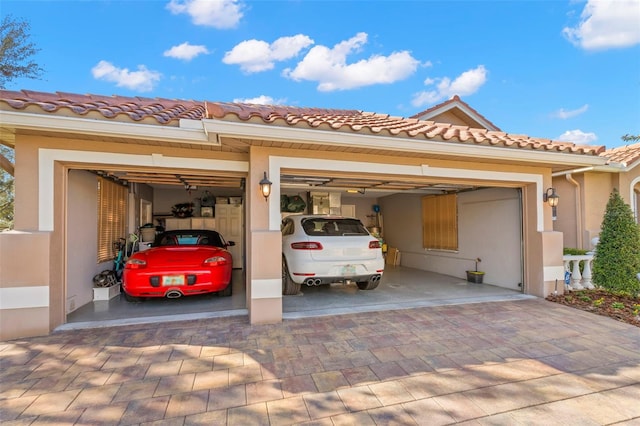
(489, 228)
(597, 188)
(82, 239)
(24, 284)
(569, 219)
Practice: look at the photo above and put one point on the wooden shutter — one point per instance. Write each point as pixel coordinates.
(440, 222)
(112, 215)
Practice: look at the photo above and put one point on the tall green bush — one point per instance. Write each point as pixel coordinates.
(617, 259)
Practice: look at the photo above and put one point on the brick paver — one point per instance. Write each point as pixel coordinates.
(528, 362)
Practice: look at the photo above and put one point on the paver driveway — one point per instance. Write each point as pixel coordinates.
(515, 362)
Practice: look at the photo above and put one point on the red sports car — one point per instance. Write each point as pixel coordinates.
(180, 263)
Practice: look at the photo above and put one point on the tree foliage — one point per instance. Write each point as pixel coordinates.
(617, 259)
(16, 51)
(16, 61)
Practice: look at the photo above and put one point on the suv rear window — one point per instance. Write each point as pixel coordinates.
(333, 227)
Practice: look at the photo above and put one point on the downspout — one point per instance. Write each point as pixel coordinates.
(578, 192)
(636, 201)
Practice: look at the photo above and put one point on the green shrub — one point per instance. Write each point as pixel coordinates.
(568, 251)
(617, 259)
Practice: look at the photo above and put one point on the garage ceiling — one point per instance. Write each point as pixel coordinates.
(185, 180)
(298, 180)
(364, 185)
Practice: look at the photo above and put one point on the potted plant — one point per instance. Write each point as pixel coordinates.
(475, 276)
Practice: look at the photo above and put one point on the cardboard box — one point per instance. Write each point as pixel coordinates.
(222, 200)
(393, 257)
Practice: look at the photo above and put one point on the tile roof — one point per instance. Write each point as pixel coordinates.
(386, 125)
(455, 100)
(164, 111)
(625, 155)
(169, 111)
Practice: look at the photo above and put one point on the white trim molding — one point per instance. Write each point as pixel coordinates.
(189, 132)
(266, 289)
(418, 145)
(24, 297)
(278, 163)
(48, 157)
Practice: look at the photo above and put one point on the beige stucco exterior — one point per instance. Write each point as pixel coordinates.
(584, 196)
(53, 253)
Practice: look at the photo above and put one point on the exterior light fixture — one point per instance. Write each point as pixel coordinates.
(265, 187)
(550, 197)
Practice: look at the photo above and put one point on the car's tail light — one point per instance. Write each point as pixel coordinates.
(306, 245)
(215, 261)
(135, 264)
(375, 244)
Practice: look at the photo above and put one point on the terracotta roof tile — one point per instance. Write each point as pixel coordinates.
(357, 121)
(135, 108)
(167, 111)
(625, 155)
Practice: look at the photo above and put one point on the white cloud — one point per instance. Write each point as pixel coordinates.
(330, 69)
(186, 51)
(261, 100)
(562, 114)
(465, 84)
(577, 136)
(220, 14)
(257, 55)
(142, 80)
(606, 24)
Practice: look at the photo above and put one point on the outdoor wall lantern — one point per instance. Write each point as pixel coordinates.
(265, 187)
(550, 197)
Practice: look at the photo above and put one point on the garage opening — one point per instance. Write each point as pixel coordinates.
(488, 227)
(432, 233)
(132, 207)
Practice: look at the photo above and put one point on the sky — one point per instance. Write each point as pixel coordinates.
(556, 69)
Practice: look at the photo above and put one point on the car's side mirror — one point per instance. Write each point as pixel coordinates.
(231, 243)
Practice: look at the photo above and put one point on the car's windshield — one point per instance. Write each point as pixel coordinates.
(191, 238)
(319, 226)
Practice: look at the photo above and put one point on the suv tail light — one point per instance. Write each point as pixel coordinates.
(375, 244)
(307, 245)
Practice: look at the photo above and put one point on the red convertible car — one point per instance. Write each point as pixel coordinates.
(180, 263)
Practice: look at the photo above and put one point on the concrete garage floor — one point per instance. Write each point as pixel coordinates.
(400, 288)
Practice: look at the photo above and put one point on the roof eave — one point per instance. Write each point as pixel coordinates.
(192, 134)
(397, 143)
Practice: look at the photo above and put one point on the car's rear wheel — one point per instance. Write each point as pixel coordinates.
(289, 288)
(131, 299)
(368, 285)
(227, 291)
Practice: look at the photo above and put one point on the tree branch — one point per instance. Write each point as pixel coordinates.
(6, 165)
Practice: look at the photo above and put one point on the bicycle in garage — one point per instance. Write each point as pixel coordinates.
(123, 248)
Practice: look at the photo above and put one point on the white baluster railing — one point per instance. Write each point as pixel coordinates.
(578, 280)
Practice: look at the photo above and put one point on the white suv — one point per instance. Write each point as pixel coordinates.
(321, 249)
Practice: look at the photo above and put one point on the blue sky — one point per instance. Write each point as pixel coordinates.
(563, 70)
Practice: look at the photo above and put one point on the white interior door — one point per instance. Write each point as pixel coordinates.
(230, 223)
(348, 210)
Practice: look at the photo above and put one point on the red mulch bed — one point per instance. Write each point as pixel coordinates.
(602, 302)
